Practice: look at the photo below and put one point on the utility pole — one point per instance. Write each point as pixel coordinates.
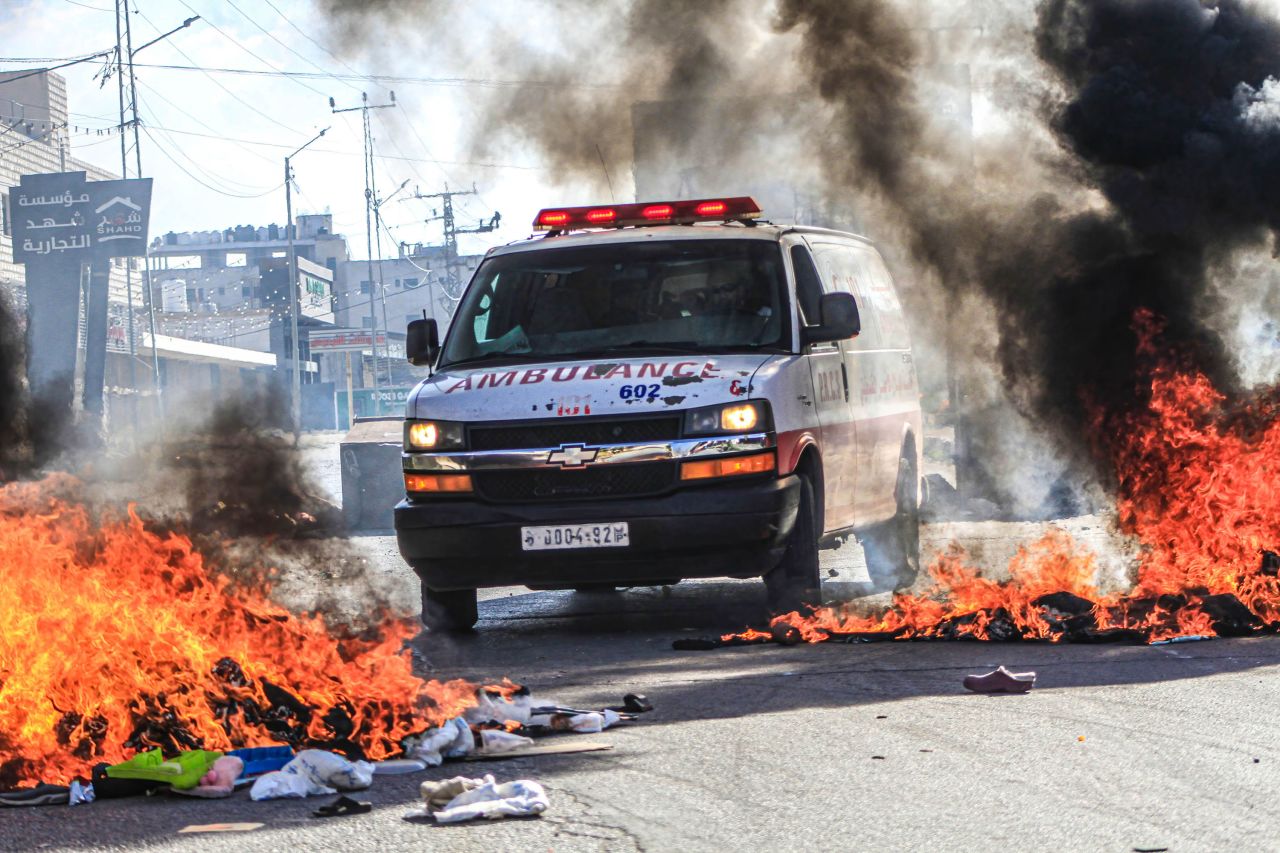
(451, 232)
(382, 285)
(296, 353)
(124, 53)
(370, 194)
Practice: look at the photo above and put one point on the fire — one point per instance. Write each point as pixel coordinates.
(1196, 484)
(116, 638)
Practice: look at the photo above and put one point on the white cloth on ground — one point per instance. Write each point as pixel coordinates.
(495, 741)
(311, 772)
(491, 800)
(451, 740)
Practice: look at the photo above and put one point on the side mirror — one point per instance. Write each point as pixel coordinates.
(840, 320)
(422, 342)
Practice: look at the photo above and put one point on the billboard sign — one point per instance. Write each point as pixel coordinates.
(64, 216)
(345, 340)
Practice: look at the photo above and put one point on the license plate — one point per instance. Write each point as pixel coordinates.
(613, 534)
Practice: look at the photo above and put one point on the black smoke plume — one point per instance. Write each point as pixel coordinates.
(1139, 157)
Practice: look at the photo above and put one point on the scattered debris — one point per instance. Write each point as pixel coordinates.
(40, 795)
(469, 799)
(557, 748)
(398, 766)
(1193, 638)
(343, 806)
(220, 781)
(221, 827)
(183, 771)
(1000, 680)
(311, 772)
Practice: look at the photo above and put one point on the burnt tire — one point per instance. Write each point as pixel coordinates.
(796, 581)
(453, 610)
(892, 547)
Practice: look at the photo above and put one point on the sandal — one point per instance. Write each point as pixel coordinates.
(343, 806)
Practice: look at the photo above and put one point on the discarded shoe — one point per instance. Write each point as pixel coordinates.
(1000, 681)
(636, 703)
(343, 806)
(40, 795)
(182, 771)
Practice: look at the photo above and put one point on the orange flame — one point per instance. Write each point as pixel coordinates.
(114, 638)
(1197, 485)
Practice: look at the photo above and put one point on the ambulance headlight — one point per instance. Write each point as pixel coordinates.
(433, 435)
(729, 419)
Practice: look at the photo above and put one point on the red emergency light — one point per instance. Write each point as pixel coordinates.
(648, 213)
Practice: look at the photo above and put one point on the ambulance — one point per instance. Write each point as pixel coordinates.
(653, 392)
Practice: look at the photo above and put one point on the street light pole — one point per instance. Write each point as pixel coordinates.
(126, 50)
(296, 350)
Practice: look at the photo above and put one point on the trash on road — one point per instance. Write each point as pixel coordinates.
(40, 795)
(311, 772)
(343, 806)
(219, 782)
(557, 748)
(482, 798)
(1000, 680)
(183, 770)
(220, 827)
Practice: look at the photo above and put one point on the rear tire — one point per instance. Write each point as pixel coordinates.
(893, 547)
(453, 610)
(795, 581)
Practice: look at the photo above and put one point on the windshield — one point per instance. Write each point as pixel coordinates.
(687, 295)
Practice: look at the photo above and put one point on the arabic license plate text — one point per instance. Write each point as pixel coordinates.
(613, 534)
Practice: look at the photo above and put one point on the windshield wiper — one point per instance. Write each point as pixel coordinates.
(490, 356)
(672, 347)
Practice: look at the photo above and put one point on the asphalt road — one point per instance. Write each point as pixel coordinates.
(866, 747)
(834, 747)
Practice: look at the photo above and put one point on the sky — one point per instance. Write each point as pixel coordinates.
(214, 141)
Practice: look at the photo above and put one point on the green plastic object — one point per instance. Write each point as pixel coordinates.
(183, 771)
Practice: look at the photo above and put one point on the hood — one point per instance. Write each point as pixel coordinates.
(577, 388)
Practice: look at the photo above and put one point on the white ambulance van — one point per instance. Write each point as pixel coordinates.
(654, 392)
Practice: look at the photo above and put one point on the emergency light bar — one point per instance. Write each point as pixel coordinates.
(647, 213)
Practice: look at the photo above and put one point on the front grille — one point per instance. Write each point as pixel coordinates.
(587, 431)
(579, 484)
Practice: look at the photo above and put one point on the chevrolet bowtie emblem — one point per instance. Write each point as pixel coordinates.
(572, 456)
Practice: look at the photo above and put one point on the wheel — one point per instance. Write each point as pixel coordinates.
(452, 610)
(795, 581)
(893, 547)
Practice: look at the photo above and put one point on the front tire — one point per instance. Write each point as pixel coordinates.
(449, 611)
(796, 581)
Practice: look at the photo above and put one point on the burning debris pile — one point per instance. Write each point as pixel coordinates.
(1196, 487)
(116, 638)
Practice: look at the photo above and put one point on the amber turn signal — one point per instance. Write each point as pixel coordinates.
(437, 483)
(703, 469)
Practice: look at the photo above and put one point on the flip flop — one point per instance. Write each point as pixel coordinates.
(343, 806)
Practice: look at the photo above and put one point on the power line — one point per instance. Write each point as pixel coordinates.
(214, 81)
(382, 78)
(336, 58)
(87, 6)
(100, 55)
(185, 171)
(229, 182)
(272, 36)
(202, 123)
(237, 43)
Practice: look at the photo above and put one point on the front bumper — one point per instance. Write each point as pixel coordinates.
(735, 529)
